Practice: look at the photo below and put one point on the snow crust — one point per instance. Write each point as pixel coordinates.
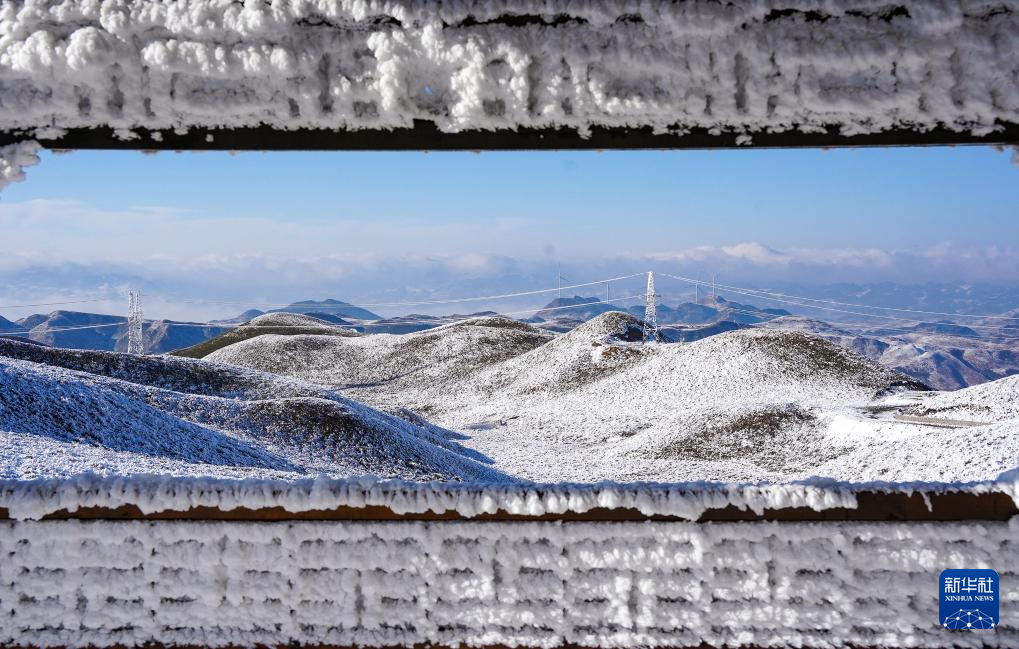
(76, 584)
(862, 66)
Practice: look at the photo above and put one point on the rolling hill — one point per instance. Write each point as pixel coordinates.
(282, 324)
(64, 412)
(397, 361)
(594, 404)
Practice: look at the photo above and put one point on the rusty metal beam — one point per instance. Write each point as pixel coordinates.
(873, 506)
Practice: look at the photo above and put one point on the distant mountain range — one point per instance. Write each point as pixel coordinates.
(97, 331)
(942, 355)
(945, 355)
(75, 330)
(948, 298)
(573, 308)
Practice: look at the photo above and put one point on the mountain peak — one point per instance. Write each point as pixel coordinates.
(332, 307)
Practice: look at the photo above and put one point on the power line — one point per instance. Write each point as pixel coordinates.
(757, 294)
(768, 293)
(696, 282)
(25, 306)
(59, 329)
(437, 320)
(479, 298)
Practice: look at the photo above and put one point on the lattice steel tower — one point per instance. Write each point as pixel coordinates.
(650, 312)
(135, 320)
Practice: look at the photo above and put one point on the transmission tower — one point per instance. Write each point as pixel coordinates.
(650, 312)
(135, 320)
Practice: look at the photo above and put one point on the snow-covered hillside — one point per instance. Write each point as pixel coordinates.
(64, 412)
(593, 404)
(280, 323)
(944, 356)
(995, 401)
(431, 358)
(491, 397)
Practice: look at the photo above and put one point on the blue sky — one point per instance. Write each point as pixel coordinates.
(276, 226)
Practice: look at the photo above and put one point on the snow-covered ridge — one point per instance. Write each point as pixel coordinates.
(863, 66)
(66, 412)
(76, 584)
(34, 499)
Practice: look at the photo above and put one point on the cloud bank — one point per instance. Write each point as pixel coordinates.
(62, 250)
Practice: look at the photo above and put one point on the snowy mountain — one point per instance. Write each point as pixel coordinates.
(575, 308)
(710, 311)
(75, 330)
(688, 333)
(7, 325)
(594, 404)
(332, 307)
(250, 314)
(71, 329)
(64, 412)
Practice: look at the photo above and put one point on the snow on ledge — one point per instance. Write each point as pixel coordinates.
(864, 66)
(34, 499)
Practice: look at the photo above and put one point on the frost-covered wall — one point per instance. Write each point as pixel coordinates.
(861, 65)
(75, 583)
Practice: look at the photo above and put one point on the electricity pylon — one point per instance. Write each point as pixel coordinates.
(135, 320)
(650, 312)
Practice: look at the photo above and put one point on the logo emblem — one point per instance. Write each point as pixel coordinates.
(969, 599)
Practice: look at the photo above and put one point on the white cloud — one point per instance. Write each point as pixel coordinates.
(760, 255)
(756, 253)
(52, 250)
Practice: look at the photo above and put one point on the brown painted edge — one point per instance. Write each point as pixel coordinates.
(297, 645)
(872, 507)
(426, 136)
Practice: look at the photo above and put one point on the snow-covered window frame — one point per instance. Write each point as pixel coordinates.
(401, 74)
